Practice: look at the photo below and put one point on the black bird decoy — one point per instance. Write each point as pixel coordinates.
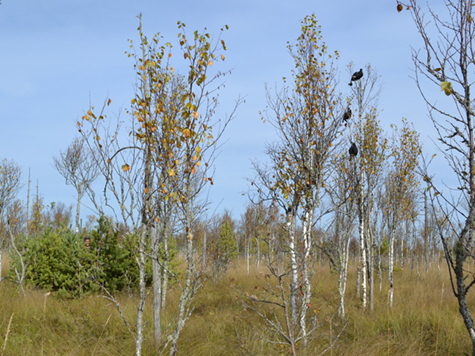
(353, 151)
(347, 115)
(356, 76)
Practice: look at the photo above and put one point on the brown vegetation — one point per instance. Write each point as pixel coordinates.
(424, 320)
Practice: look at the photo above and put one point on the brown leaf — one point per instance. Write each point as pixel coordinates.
(399, 7)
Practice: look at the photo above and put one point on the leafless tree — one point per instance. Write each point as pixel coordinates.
(446, 61)
(10, 185)
(79, 168)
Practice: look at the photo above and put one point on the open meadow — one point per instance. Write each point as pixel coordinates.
(423, 321)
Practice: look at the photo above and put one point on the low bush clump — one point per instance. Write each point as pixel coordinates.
(58, 260)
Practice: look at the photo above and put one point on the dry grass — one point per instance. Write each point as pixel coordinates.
(423, 321)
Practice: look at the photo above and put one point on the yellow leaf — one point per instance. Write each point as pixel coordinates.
(87, 117)
(222, 57)
(145, 190)
(171, 172)
(125, 167)
(186, 132)
(210, 63)
(196, 114)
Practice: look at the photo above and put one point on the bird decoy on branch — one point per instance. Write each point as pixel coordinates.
(353, 151)
(347, 115)
(356, 76)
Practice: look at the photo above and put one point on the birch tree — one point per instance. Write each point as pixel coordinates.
(343, 196)
(162, 166)
(79, 169)
(401, 185)
(368, 167)
(307, 116)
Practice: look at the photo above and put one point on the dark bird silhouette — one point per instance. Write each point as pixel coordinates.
(353, 151)
(347, 115)
(356, 76)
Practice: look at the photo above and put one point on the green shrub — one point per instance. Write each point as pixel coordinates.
(59, 261)
(56, 261)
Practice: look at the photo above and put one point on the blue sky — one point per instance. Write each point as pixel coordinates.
(58, 55)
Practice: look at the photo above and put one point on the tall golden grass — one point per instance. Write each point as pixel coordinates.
(423, 321)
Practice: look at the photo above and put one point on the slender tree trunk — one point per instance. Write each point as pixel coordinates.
(461, 294)
(157, 271)
(370, 244)
(187, 291)
(203, 253)
(343, 275)
(248, 247)
(28, 205)
(391, 261)
(380, 271)
(401, 253)
(78, 207)
(166, 263)
(307, 286)
(258, 247)
(157, 292)
(358, 281)
(142, 291)
(293, 269)
(363, 259)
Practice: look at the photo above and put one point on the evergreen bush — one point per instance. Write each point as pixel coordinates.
(58, 260)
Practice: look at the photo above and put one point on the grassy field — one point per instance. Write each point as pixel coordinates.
(423, 321)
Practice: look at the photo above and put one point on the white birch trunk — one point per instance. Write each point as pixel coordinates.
(188, 290)
(165, 269)
(380, 271)
(258, 246)
(307, 286)
(358, 281)
(361, 219)
(363, 265)
(391, 264)
(293, 269)
(157, 292)
(142, 292)
(248, 247)
(343, 275)
(370, 257)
